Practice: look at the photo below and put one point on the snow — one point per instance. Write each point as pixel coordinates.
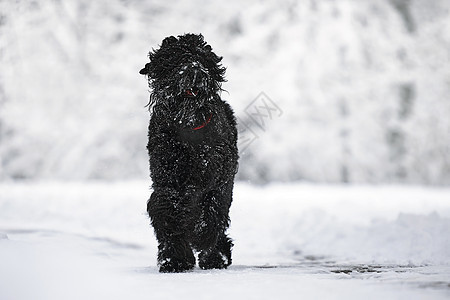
(93, 241)
(364, 99)
(361, 94)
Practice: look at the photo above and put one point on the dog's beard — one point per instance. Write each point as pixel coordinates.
(188, 112)
(181, 110)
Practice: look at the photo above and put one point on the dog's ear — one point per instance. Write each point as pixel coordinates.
(169, 40)
(145, 71)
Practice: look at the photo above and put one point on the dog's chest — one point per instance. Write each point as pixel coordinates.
(196, 160)
(192, 137)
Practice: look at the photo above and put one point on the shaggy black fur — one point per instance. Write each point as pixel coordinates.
(193, 155)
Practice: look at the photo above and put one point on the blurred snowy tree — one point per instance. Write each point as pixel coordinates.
(363, 86)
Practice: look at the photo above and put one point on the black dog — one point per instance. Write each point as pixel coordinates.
(193, 155)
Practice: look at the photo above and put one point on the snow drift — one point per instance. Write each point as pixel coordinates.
(93, 241)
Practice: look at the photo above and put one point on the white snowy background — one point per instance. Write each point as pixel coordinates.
(343, 188)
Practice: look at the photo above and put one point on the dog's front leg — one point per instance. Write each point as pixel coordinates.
(211, 227)
(169, 222)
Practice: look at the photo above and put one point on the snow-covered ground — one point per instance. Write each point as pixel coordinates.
(93, 241)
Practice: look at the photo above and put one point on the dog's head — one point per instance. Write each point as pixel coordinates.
(184, 69)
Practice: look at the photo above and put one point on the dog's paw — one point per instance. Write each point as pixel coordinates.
(213, 260)
(175, 266)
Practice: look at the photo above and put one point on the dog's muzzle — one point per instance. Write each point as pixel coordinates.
(194, 79)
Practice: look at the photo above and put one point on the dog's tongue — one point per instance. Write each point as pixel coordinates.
(190, 92)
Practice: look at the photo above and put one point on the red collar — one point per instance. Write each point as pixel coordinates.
(204, 123)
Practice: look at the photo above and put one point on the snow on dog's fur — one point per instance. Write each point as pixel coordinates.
(193, 154)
